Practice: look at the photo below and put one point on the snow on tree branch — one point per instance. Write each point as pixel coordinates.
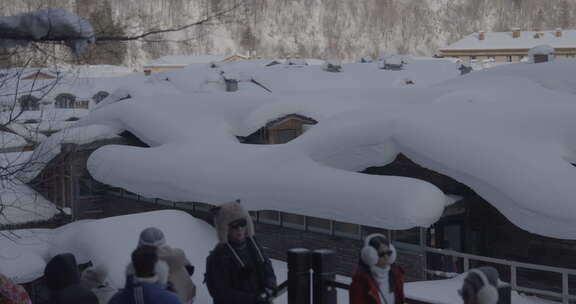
(168, 30)
(53, 24)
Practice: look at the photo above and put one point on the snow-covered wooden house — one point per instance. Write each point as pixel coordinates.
(280, 130)
(541, 53)
(37, 75)
(172, 62)
(296, 62)
(332, 66)
(512, 46)
(393, 63)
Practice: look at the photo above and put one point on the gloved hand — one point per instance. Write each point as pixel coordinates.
(271, 293)
(265, 297)
(189, 269)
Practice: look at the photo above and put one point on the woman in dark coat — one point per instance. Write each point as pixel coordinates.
(377, 279)
(63, 279)
(237, 270)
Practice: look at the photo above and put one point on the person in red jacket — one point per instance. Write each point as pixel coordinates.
(377, 279)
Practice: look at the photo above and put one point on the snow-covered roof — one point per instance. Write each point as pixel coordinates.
(96, 71)
(394, 60)
(183, 60)
(541, 50)
(20, 203)
(11, 140)
(504, 40)
(51, 146)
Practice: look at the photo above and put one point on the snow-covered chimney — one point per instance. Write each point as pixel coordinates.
(481, 35)
(515, 33)
(558, 32)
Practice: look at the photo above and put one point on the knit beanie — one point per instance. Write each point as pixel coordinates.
(473, 282)
(152, 236)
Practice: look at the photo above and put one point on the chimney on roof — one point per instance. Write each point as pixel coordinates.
(558, 32)
(481, 35)
(515, 33)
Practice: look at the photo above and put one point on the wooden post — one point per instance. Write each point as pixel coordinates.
(324, 266)
(298, 276)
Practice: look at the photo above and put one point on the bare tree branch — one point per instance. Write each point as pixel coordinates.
(168, 30)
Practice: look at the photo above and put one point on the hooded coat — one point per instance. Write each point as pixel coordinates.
(94, 278)
(237, 274)
(63, 279)
(179, 276)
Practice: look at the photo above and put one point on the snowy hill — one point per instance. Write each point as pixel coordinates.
(310, 29)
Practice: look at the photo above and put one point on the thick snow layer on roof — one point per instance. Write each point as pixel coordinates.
(541, 50)
(180, 60)
(52, 114)
(51, 147)
(504, 40)
(11, 140)
(396, 202)
(97, 71)
(26, 132)
(21, 204)
(49, 24)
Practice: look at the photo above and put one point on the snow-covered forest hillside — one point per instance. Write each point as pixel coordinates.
(328, 29)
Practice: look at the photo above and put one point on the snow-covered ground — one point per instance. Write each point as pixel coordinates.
(109, 242)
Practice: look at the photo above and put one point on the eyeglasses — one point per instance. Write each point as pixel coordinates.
(239, 224)
(384, 253)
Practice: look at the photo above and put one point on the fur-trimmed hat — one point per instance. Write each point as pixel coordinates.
(228, 213)
(372, 243)
(474, 283)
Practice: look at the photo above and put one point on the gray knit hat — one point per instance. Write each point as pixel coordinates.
(152, 236)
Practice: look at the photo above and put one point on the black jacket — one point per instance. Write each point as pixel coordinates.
(63, 279)
(236, 276)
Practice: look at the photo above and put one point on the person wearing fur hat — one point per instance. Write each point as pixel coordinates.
(237, 270)
(480, 286)
(180, 267)
(147, 284)
(377, 279)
